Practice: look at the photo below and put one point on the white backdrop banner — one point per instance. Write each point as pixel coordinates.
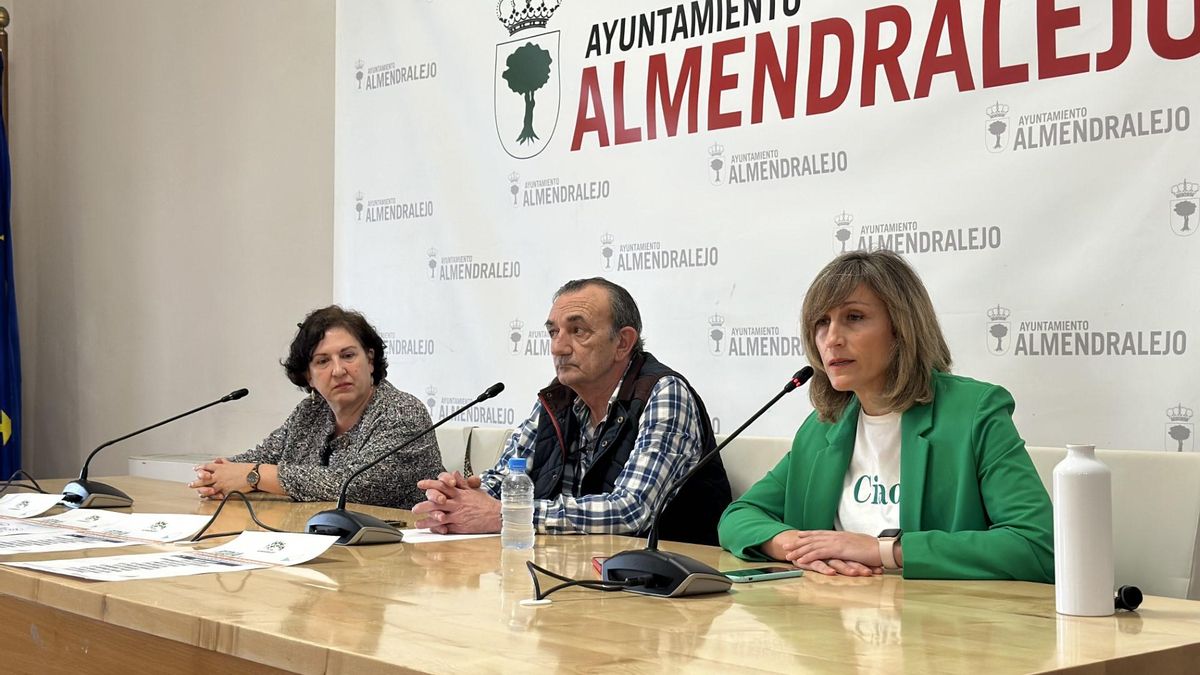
(1037, 162)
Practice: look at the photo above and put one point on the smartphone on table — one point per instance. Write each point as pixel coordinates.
(762, 573)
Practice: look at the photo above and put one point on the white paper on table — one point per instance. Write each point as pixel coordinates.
(9, 526)
(75, 531)
(27, 505)
(424, 536)
(89, 520)
(251, 550)
(145, 527)
(139, 566)
(53, 542)
(155, 527)
(274, 548)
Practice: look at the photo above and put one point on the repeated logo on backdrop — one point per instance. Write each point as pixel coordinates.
(908, 237)
(406, 345)
(532, 342)
(551, 190)
(1184, 207)
(389, 209)
(716, 162)
(1073, 125)
(737, 340)
(467, 267)
(383, 75)
(654, 255)
(995, 129)
(606, 249)
(527, 83)
(1072, 337)
(769, 164)
(1180, 432)
(514, 187)
(440, 406)
(842, 231)
(998, 328)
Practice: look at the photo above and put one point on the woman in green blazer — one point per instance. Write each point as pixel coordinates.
(932, 460)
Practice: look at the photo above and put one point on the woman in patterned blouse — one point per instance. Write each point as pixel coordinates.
(351, 416)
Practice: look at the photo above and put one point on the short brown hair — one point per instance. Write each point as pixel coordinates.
(919, 348)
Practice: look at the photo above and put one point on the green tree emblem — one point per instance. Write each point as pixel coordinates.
(528, 70)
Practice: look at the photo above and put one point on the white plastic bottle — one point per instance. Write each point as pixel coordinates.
(516, 507)
(1083, 535)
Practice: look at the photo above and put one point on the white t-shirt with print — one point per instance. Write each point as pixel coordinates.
(871, 489)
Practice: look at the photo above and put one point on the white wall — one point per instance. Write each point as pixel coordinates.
(173, 186)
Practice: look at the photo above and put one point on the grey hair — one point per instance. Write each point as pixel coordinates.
(625, 312)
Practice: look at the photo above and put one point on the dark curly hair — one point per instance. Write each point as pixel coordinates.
(312, 331)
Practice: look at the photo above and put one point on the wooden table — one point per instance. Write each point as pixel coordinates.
(454, 607)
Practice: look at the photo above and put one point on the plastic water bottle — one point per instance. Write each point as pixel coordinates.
(1083, 535)
(516, 507)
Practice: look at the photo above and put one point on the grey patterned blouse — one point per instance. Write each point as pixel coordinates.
(313, 464)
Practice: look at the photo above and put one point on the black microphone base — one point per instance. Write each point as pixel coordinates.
(90, 494)
(671, 575)
(353, 528)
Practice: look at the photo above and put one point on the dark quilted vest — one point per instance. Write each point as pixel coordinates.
(691, 516)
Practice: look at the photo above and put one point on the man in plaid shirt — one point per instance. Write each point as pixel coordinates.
(606, 442)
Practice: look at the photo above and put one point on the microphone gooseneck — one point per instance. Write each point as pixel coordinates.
(803, 375)
(490, 392)
(665, 574)
(360, 528)
(84, 493)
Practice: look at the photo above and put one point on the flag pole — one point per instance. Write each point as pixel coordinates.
(4, 53)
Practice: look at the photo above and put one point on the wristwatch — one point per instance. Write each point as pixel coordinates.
(887, 548)
(253, 477)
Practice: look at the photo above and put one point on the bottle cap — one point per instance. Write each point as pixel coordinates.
(1127, 598)
(516, 464)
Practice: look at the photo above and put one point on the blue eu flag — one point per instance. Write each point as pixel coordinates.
(10, 347)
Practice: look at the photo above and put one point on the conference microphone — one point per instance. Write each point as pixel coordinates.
(674, 575)
(89, 494)
(354, 528)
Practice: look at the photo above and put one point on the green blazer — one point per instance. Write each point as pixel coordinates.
(971, 503)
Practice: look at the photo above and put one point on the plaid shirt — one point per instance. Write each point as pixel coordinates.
(668, 444)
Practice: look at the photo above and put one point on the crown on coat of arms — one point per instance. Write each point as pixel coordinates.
(517, 20)
(1185, 189)
(1179, 413)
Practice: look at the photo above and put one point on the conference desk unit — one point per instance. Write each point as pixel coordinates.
(455, 607)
